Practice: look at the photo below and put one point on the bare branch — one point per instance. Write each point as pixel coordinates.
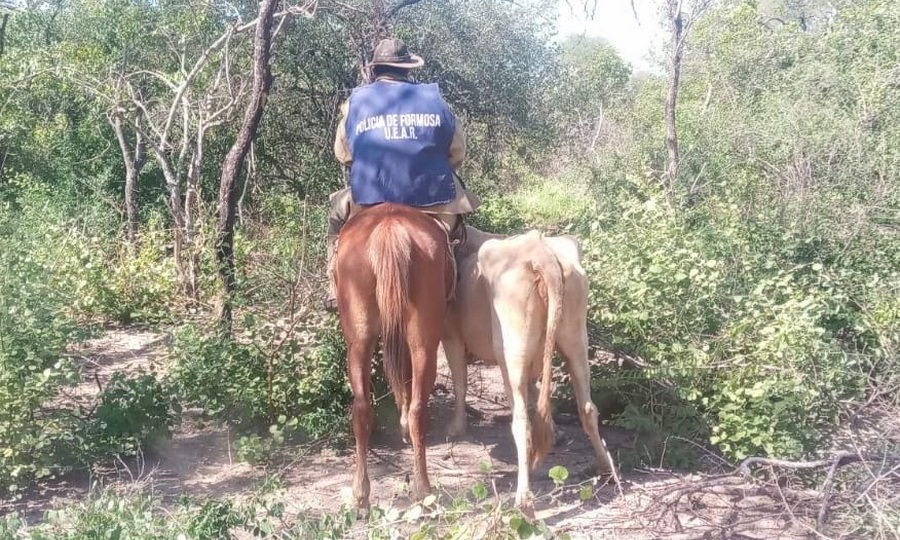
(400, 5)
(155, 74)
(588, 6)
(139, 103)
(183, 85)
(306, 11)
(115, 119)
(348, 7)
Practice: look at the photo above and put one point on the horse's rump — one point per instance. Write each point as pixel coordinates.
(389, 250)
(387, 254)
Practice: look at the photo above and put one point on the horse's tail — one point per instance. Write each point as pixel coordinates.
(548, 274)
(389, 254)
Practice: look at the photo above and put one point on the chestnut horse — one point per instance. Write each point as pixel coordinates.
(392, 276)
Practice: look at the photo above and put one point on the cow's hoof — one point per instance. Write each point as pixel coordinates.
(527, 509)
(404, 429)
(457, 430)
(603, 468)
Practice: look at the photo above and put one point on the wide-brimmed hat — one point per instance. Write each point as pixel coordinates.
(393, 52)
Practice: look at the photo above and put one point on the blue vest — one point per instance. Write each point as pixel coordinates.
(399, 135)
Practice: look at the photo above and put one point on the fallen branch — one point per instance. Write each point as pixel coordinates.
(742, 474)
(834, 463)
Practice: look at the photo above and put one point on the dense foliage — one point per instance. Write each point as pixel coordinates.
(273, 377)
(755, 282)
(759, 288)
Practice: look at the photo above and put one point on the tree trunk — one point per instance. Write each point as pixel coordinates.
(140, 159)
(675, 17)
(228, 182)
(191, 214)
(133, 165)
(177, 210)
(3, 21)
(3, 153)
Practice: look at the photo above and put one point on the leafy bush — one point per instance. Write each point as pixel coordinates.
(132, 413)
(140, 517)
(54, 273)
(34, 331)
(255, 384)
(762, 341)
(115, 281)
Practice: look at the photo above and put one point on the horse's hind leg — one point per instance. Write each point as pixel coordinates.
(359, 362)
(424, 367)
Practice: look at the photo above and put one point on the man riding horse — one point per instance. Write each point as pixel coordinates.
(402, 145)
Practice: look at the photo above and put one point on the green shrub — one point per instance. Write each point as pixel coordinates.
(34, 331)
(763, 343)
(553, 203)
(132, 413)
(115, 281)
(497, 215)
(137, 516)
(141, 517)
(254, 384)
(54, 273)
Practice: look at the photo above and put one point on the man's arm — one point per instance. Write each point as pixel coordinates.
(341, 146)
(458, 146)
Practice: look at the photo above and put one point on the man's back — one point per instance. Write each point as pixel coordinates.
(400, 134)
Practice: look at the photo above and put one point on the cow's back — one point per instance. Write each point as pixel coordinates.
(568, 252)
(470, 311)
(499, 274)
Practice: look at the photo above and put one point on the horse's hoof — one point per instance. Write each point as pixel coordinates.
(421, 491)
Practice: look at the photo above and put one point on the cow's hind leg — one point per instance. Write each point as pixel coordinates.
(512, 342)
(403, 405)
(573, 345)
(517, 382)
(456, 358)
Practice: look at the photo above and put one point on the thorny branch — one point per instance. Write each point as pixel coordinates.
(743, 472)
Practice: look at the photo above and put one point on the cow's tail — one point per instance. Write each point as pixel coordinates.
(389, 254)
(548, 273)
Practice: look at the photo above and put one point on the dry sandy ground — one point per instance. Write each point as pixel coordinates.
(199, 461)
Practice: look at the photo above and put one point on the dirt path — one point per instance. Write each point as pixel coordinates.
(199, 462)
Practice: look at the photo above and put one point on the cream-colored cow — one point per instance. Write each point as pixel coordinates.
(519, 298)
